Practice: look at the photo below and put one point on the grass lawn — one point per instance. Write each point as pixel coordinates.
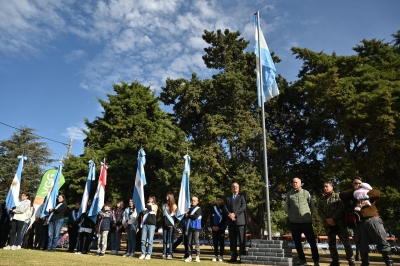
(60, 257)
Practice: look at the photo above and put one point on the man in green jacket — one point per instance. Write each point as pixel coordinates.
(299, 207)
(330, 210)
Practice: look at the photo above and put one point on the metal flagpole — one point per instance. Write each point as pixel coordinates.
(263, 130)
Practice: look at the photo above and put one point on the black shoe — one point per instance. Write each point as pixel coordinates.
(232, 260)
(101, 255)
(334, 263)
(351, 263)
(96, 254)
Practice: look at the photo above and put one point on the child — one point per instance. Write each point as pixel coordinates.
(104, 226)
(193, 227)
(218, 226)
(361, 196)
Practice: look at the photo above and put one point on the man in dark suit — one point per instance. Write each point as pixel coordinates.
(237, 221)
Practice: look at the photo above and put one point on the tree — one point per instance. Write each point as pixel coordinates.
(132, 118)
(23, 142)
(221, 118)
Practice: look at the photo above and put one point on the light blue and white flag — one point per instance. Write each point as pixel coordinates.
(140, 182)
(12, 199)
(98, 200)
(184, 193)
(269, 86)
(85, 198)
(51, 199)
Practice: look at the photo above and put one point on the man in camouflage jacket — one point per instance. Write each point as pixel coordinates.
(330, 210)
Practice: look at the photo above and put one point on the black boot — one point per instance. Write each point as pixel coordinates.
(334, 263)
(364, 258)
(387, 256)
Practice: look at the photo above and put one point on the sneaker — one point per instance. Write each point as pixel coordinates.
(303, 263)
(7, 247)
(18, 247)
(101, 255)
(132, 255)
(197, 259)
(188, 259)
(163, 256)
(215, 259)
(14, 247)
(169, 257)
(126, 255)
(78, 253)
(221, 259)
(148, 256)
(142, 257)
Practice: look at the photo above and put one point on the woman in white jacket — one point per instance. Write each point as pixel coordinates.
(21, 213)
(130, 223)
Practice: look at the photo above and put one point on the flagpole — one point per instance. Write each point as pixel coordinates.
(263, 131)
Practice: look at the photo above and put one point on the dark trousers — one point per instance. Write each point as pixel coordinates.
(45, 235)
(237, 232)
(16, 232)
(85, 242)
(371, 231)
(38, 234)
(218, 241)
(73, 238)
(305, 228)
(5, 230)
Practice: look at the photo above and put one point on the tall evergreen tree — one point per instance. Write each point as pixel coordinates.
(23, 142)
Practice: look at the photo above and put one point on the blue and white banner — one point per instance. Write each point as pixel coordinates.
(140, 182)
(268, 72)
(51, 199)
(184, 193)
(85, 198)
(12, 199)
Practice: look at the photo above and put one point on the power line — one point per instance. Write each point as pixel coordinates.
(24, 131)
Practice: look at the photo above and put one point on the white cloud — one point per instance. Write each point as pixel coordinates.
(74, 55)
(74, 132)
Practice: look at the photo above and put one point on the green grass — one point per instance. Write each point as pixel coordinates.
(60, 257)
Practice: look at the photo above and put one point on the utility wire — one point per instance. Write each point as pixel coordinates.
(24, 131)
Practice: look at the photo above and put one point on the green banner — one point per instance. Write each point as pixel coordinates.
(45, 185)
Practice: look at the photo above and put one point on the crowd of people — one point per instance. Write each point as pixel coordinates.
(354, 207)
(139, 228)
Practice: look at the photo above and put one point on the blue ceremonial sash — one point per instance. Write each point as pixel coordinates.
(217, 213)
(188, 220)
(58, 205)
(144, 218)
(168, 215)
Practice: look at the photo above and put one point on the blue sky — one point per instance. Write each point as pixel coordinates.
(57, 56)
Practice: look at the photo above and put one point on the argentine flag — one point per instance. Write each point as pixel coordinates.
(98, 201)
(268, 71)
(12, 199)
(51, 199)
(91, 176)
(140, 182)
(184, 193)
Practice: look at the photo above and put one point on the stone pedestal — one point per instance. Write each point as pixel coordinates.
(268, 252)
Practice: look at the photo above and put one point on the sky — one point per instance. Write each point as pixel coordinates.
(58, 56)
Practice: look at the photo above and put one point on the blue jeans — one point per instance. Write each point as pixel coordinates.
(148, 234)
(54, 233)
(116, 240)
(131, 238)
(168, 236)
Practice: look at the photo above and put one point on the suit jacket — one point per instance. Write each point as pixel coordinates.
(238, 207)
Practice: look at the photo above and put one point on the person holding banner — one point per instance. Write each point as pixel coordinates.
(193, 225)
(218, 226)
(117, 227)
(21, 213)
(148, 226)
(130, 223)
(168, 224)
(56, 219)
(73, 226)
(86, 231)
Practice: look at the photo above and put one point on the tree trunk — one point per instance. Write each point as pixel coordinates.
(256, 223)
